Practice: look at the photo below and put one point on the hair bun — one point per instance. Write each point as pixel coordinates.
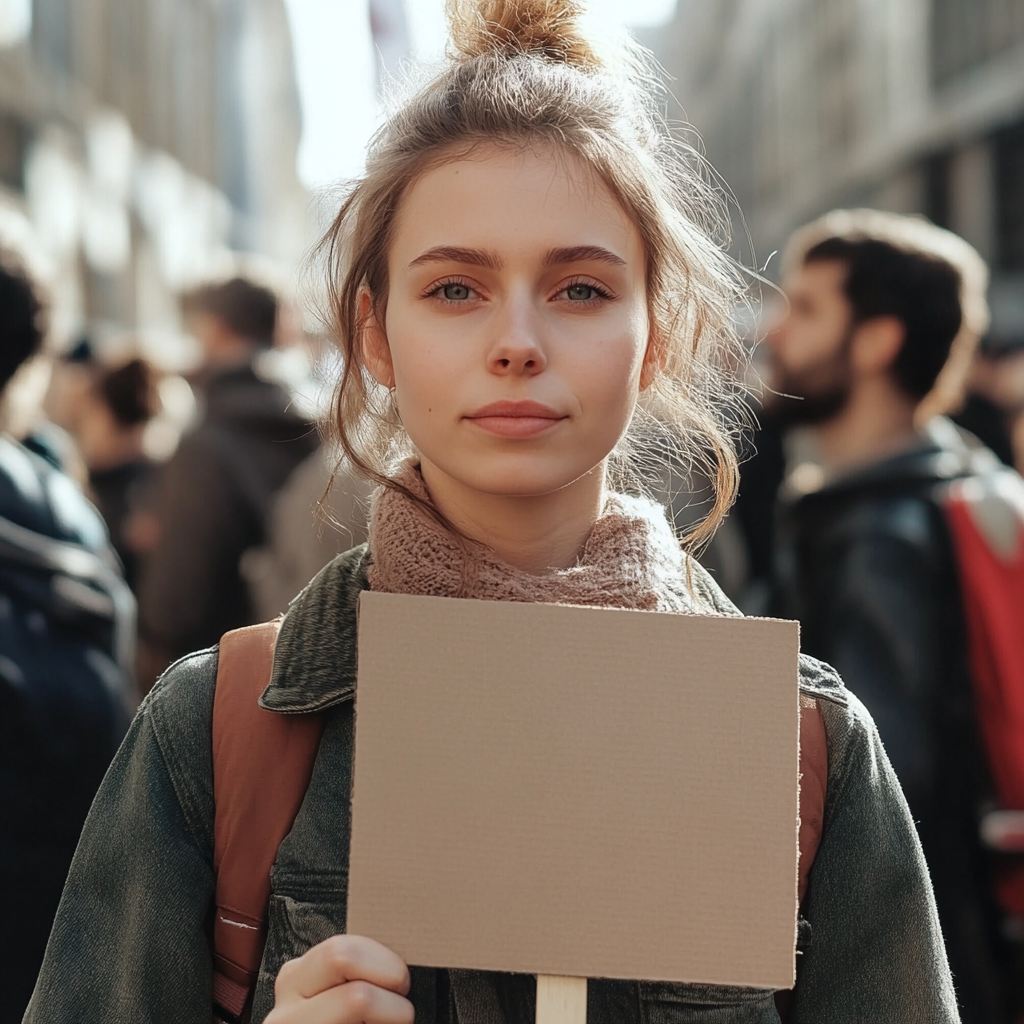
(130, 391)
(550, 28)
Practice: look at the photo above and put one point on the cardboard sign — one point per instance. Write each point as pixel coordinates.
(576, 791)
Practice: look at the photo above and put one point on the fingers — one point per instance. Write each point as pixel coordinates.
(341, 959)
(355, 1002)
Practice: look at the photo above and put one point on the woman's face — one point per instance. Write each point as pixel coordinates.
(516, 324)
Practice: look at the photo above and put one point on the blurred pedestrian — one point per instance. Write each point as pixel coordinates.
(884, 311)
(997, 394)
(73, 374)
(321, 511)
(216, 491)
(109, 429)
(66, 632)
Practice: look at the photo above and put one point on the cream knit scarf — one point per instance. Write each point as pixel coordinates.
(630, 560)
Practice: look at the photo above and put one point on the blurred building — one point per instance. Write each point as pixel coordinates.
(908, 105)
(147, 143)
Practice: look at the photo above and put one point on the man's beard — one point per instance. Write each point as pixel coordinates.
(813, 395)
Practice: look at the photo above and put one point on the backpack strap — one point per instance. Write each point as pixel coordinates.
(813, 791)
(262, 763)
(813, 787)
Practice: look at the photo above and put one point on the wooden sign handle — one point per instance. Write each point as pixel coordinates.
(561, 1000)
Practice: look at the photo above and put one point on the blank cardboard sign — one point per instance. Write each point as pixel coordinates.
(576, 791)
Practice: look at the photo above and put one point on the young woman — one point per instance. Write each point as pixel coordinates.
(525, 267)
(109, 429)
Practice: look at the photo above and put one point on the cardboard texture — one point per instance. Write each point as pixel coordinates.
(576, 791)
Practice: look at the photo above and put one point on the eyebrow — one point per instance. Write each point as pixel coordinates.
(457, 254)
(489, 259)
(582, 254)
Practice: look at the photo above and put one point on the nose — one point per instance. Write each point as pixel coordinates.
(517, 348)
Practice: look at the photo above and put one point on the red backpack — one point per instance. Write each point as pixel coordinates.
(262, 764)
(986, 518)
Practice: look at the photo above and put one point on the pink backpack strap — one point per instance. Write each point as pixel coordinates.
(813, 790)
(813, 786)
(262, 763)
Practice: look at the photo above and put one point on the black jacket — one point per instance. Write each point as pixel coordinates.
(212, 501)
(66, 635)
(866, 564)
(118, 491)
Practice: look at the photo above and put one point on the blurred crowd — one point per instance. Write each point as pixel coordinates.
(137, 524)
(143, 515)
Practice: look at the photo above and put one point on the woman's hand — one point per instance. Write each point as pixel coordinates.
(347, 979)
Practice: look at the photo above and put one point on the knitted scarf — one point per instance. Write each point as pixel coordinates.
(631, 559)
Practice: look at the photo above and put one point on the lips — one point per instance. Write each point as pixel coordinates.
(515, 419)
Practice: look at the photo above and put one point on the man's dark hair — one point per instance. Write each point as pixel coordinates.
(21, 318)
(927, 278)
(248, 310)
(920, 290)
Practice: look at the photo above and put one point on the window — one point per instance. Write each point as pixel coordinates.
(967, 33)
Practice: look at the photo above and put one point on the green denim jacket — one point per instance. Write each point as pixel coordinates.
(131, 942)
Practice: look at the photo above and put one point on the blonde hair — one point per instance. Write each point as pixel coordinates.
(521, 73)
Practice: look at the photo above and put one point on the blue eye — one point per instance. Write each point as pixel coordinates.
(455, 292)
(580, 292)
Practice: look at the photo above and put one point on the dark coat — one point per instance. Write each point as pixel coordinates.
(212, 503)
(66, 628)
(867, 565)
(118, 491)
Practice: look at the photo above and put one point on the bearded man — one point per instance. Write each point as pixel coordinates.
(882, 316)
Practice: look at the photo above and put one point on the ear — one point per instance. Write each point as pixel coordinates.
(877, 344)
(654, 359)
(373, 344)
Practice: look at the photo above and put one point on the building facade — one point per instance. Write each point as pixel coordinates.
(147, 144)
(916, 106)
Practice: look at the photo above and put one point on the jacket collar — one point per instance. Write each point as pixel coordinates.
(315, 657)
(944, 453)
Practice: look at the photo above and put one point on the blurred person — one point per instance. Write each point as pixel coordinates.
(42, 400)
(110, 429)
(215, 492)
(66, 632)
(73, 373)
(320, 512)
(996, 391)
(982, 412)
(884, 312)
